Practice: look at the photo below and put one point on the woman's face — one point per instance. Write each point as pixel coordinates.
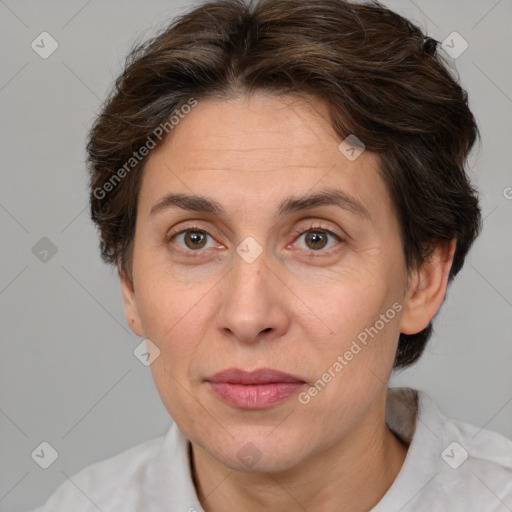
(241, 288)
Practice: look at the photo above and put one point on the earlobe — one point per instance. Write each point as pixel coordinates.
(427, 289)
(130, 305)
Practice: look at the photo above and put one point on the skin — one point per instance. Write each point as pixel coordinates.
(285, 310)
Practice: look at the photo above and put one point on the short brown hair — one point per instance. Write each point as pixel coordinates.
(380, 76)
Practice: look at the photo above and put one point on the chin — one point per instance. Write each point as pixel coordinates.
(269, 463)
(257, 453)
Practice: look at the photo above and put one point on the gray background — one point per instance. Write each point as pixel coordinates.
(68, 375)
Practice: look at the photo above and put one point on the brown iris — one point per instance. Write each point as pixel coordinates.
(318, 239)
(197, 239)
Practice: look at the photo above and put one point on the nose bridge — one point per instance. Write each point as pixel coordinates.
(249, 272)
(250, 302)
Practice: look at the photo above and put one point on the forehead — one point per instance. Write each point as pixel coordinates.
(261, 146)
(248, 127)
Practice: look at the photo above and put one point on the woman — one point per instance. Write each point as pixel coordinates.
(281, 186)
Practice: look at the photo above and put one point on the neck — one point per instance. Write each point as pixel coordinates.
(353, 475)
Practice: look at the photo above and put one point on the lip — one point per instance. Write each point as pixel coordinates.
(258, 389)
(259, 376)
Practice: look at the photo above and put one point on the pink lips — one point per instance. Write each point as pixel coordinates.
(254, 390)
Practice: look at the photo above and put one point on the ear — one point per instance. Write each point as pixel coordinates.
(427, 289)
(130, 305)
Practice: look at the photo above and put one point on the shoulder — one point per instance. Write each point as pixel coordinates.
(110, 484)
(472, 467)
(466, 442)
(451, 465)
(478, 462)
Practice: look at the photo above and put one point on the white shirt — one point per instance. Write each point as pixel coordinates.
(451, 466)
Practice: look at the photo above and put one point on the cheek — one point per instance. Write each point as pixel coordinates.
(362, 313)
(352, 369)
(348, 301)
(174, 318)
(165, 300)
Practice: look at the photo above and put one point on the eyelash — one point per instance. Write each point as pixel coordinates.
(318, 228)
(296, 234)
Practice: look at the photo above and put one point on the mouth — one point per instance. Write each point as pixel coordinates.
(258, 389)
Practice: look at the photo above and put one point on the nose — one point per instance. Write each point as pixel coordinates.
(253, 306)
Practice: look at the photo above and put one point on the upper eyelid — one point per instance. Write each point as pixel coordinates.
(313, 225)
(316, 226)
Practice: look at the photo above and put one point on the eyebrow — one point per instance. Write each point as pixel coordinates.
(328, 197)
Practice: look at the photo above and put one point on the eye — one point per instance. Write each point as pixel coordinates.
(316, 239)
(191, 240)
